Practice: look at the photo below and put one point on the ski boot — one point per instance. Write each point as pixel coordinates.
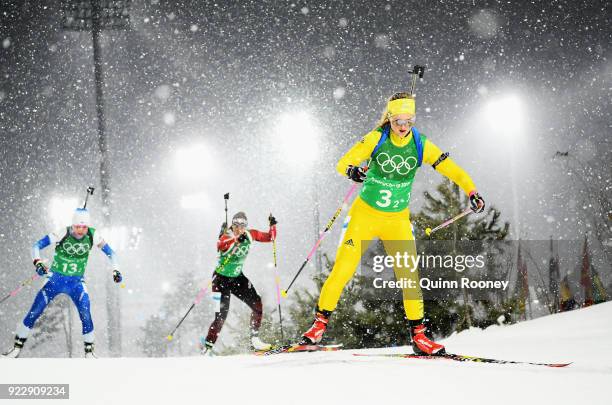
(421, 344)
(16, 350)
(206, 348)
(314, 335)
(258, 345)
(89, 351)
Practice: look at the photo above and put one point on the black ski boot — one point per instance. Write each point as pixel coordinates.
(89, 351)
(16, 350)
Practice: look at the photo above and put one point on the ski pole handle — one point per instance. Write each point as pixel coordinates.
(416, 72)
(226, 198)
(90, 191)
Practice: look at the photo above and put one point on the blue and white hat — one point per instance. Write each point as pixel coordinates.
(81, 217)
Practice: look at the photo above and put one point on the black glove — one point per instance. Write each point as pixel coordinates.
(356, 173)
(242, 238)
(117, 277)
(41, 269)
(272, 220)
(477, 203)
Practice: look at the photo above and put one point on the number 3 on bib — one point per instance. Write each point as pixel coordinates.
(385, 199)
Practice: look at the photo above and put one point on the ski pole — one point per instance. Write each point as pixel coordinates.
(278, 290)
(280, 313)
(417, 71)
(224, 226)
(226, 198)
(90, 191)
(429, 231)
(24, 283)
(323, 233)
(195, 302)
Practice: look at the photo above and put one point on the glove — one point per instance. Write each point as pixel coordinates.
(356, 173)
(117, 277)
(477, 203)
(223, 230)
(242, 238)
(272, 220)
(41, 269)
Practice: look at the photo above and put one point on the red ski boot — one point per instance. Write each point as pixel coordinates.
(314, 335)
(422, 345)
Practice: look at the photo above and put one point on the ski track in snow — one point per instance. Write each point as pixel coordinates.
(583, 337)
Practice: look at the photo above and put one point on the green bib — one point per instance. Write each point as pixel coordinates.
(232, 260)
(390, 176)
(72, 254)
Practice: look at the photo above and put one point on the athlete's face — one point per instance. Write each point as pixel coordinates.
(402, 123)
(238, 229)
(79, 230)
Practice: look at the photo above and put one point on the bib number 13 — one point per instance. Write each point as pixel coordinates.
(70, 267)
(385, 199)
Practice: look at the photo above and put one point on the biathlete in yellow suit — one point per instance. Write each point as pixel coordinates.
(395, 150)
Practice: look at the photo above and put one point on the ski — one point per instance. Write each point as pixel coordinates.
(295, 348)
(459, 357)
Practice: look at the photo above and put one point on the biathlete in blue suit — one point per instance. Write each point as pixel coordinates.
(66, 276)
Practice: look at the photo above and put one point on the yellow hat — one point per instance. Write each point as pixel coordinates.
(401, 106)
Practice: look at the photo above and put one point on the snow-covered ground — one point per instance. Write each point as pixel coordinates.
(582, 337)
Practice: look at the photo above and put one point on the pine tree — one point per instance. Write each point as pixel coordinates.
(152, 343)
(175, 303)
(456, 307)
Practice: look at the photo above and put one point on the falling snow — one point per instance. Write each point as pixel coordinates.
(268, 96)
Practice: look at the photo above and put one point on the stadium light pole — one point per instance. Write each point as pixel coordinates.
(504, 116)
(95, 16)
(303, 155)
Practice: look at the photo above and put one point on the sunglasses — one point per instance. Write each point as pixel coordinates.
(239, 223)
(401, 123)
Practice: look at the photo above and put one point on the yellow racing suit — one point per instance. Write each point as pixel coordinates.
(365, 222)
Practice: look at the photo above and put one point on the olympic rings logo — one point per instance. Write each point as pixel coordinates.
(396, 163)
(241, 251)
(77, 249)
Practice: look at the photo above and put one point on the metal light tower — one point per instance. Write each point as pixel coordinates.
(95, 16)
